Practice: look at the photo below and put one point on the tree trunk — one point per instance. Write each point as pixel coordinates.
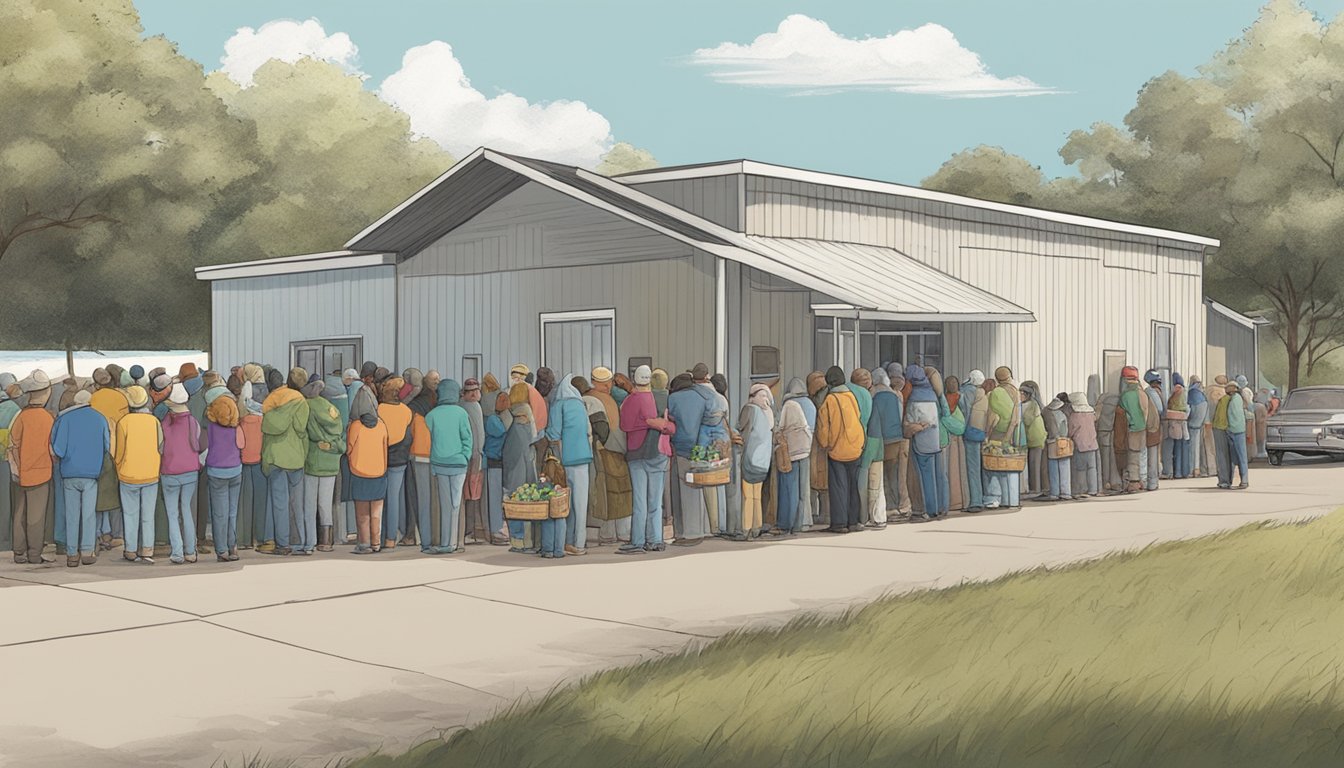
(69, 359)
(1294, 349)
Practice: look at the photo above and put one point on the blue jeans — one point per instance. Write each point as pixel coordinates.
(395, 502)
(261, 529)
(787, 489)
(648, 476)
(975, 481)
(450, 508)
(1168, 457)
(553, 537)
(80, 495)
(1003, 488)
(1236, 445)
(494, 507)
(179, 497)
(224, 493)
(944, 482)
(286, 504)
(424, 502)
(137, 514)
(926, 464)
(1060, 472)
(1185, 453)
(576, 531)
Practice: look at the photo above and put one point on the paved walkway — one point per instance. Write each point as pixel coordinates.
(121, 665)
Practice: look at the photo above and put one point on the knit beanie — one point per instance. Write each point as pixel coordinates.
(976, 378)
(298, 378)
(580, 384)
(274, 380)
(137, 373)
(1129, 372)
(102, 378)
(211, 379)
(835, 377)
(1003, 374)
(489, 383)
(83, 397)
(816, 381)
(700, 372)
(643, 376)
(235, 385)
(861, 377)
(720, 383)
(601, 373)
(137, 397)
(126, 379)
(659, 379)
(253, 373)
(1177, 381)
(545, 381)
(313, 389)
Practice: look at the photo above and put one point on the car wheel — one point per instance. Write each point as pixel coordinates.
(1275, 458)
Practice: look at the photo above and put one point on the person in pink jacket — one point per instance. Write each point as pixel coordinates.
(180, 474)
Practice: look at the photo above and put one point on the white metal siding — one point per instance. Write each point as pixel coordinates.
(664, 309)
(537, 227)
(256, 318)
(717, 198)
(1089, 289)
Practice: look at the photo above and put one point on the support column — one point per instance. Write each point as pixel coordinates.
(720, 314)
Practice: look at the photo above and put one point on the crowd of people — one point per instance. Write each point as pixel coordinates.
(294, 464)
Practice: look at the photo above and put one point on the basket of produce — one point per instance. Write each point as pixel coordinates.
(708, 467)
(537, 501)
(997, 457)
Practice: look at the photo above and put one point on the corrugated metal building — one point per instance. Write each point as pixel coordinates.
(762, 271)
(1234, 342)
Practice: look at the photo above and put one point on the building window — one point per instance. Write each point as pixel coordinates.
(635, 362)
(764, 363)
(322, 357)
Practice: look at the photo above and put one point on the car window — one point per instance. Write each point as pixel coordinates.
(1315, 400)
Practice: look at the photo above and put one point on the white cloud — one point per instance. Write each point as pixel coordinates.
(807, 55)
(433, 89)
(287, 41)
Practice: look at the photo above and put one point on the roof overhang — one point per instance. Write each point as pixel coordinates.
(768, 170)
(1235, 316)
(288, 265)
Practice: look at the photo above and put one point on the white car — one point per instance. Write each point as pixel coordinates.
(1310, 423)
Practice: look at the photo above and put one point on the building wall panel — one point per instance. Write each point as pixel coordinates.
(1232, 343)
(714, 197)
(256, 318)
(664, 309)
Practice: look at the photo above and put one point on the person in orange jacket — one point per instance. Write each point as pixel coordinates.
(840, 432)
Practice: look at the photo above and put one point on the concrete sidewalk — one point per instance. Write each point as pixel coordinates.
(314, 658)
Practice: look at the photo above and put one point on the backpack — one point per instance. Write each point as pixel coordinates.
(756, 455)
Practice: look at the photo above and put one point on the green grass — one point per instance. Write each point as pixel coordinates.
(1224, 651)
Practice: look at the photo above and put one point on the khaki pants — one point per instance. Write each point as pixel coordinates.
(897, 480)
(1137, 447)
(751, 507)
(30, 520)
(876, 514)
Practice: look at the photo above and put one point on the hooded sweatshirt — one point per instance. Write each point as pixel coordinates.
(922, 409)
(756, 423)
(449, 431)
(888, 409)
(181, 444)
(398, 418)
(794, 428)
(366, 445)
(138, 448)
(569, 425)
(687, 408)
(325, 426)
(284, 430)
(421, 403)
(840, 432)
(519, 460)
(1032, 417)
(80, 439)
(1004, 400)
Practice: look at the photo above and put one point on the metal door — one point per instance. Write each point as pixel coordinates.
(578, 346)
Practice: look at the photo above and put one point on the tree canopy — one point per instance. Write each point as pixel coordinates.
(1247, 150)
(123, 166)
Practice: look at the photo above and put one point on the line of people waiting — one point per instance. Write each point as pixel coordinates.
(292, 465)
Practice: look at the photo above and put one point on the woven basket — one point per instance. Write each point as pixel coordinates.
(1015, 462)
(526, 510)
(559, 504)
(708, 478)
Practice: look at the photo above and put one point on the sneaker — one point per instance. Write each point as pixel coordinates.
(856, 528)
(267, 548)
(283, 551)
(88, 558)
(1243, 486)
(547, 556)
(659, 547)
(919, 518)
(630, 549)
(834, 530)
(72, 561)
(435, 550)
(686, 542)
(362, 549)
(993, 505)
(175, 560)
(570, 549)
(145, 560)
(973, 510)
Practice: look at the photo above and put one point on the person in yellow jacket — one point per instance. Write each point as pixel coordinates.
(841, 434)
(137, 453)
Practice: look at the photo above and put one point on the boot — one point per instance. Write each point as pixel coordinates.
(324, 538)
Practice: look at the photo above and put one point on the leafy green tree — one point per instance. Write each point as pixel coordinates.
(336, 158)
(1250, 151)
(625, 158)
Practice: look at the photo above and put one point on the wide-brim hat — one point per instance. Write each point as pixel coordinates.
(1079, 402)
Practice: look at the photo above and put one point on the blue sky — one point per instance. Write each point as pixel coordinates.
(631, 62)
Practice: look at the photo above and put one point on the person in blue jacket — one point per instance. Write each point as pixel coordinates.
(567, 422)
(80, 439)
(686, 405)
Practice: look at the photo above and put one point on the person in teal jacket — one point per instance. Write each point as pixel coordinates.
(568, 424)
(1236, 434)
(870, 483)
(450, 451)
